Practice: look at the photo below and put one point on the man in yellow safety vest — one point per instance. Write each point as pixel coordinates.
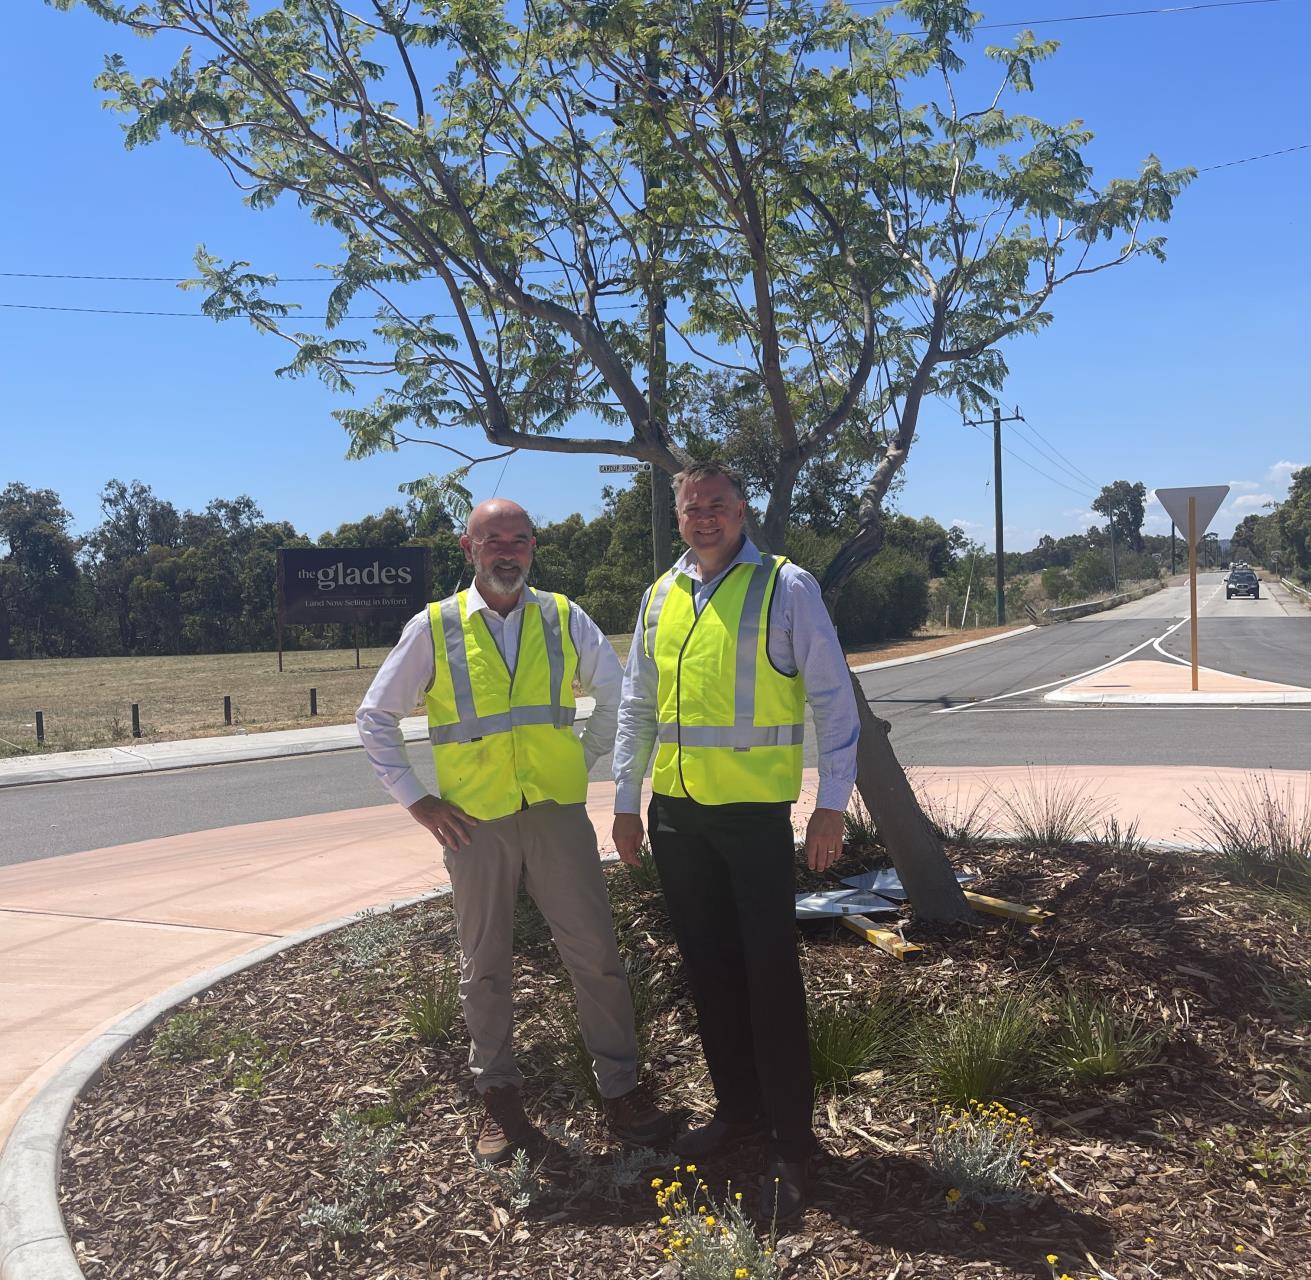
(730, 646)
(495, 666)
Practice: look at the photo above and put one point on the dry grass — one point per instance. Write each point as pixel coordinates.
(87, 702)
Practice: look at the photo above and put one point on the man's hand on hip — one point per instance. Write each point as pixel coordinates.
(824, 834)
(627, 835)
(447, 821)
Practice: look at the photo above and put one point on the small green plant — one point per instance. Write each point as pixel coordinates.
(1092, 1041)
(1051, 811)
(568, 1051)
(978, 1051)
(644, 877)
(362, 1182)
(186, 1037)
(962, 818)
(377, 935)
(1261, 832)
(859, 834)
(980, 1151)
(847, 1038)
(1120, 841)
(707, 1241)
(1291, 999)
(433, 1005)
(517, 1181)
(615, 1175)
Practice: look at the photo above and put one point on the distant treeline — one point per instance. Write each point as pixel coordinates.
(152, 580)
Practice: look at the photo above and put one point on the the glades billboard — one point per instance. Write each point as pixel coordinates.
(351, 584)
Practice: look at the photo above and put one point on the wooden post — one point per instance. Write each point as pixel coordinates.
(40, 727)
(136, 720)
(1192, 577)
(356, 629)
(227, 708)
(314, 702)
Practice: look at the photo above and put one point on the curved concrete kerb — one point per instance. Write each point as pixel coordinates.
(34, 1244)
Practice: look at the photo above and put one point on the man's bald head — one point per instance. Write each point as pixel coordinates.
(499, 544)
(497, 513)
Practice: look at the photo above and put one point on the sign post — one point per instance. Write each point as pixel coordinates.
(1193, 509)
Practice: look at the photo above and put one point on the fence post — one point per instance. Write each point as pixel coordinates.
(136, 720)
(40, 727)
(227, 708)
(314, 702)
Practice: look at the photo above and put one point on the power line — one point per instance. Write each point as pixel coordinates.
(1020, 458)
(1086, 17)
(1054, 455)
(199, 315)
(1229, 164)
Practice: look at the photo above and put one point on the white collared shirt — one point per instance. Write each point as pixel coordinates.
(801, 638)
(408, 670)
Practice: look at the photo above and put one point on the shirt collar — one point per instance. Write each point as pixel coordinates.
(687, 565)
(474, 602)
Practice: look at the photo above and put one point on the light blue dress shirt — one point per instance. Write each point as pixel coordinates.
(801, 639)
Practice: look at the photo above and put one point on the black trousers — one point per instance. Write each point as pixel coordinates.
(729, 882)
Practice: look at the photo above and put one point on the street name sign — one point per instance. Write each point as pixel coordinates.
(624, 466)
(1208, 498)
(1192, 509)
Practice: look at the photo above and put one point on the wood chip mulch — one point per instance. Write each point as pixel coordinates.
(1197, 1166)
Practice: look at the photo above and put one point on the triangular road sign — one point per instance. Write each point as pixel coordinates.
(1175, 501)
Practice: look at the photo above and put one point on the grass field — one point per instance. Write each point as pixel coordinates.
(87, 702)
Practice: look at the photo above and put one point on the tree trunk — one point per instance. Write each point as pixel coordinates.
(917, 853)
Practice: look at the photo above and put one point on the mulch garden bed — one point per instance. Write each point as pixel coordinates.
(1196, 1166)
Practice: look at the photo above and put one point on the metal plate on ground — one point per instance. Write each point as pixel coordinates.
(887, 883)
(842, 902)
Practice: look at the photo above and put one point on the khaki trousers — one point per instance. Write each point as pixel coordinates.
(553, 848)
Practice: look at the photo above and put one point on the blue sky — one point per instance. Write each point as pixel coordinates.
(1188, 373)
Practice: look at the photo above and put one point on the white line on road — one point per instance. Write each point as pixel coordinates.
(1051, 684)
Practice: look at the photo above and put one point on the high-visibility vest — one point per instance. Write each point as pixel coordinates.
(498, 741)
(729, 723)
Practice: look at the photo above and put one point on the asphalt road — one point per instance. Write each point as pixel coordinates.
(979, 707)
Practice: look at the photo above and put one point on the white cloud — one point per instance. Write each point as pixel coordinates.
(1083, 517)
(1282, 472)
(1252, 502)
(967, 525)
(1243, 486)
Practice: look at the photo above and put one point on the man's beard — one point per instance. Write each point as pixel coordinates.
(506, 581)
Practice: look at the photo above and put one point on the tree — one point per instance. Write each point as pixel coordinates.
(38, 575)
(1294, 519)
(1125, 506)
(764, 180)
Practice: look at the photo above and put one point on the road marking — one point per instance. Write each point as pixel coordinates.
(1051, 684)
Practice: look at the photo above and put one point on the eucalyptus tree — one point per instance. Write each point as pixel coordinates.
(610, 197)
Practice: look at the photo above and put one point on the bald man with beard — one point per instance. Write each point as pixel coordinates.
(495, 667)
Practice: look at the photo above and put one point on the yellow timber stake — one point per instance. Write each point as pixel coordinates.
(884, 939)
(1006, 910)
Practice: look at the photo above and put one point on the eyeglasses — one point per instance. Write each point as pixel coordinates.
(523, 542)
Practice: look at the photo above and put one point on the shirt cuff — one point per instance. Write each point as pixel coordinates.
(407, 790)
(834, 794)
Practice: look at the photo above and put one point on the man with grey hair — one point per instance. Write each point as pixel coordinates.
(495, 666)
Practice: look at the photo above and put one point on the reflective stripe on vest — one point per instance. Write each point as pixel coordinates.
(758, 756)
(499, 740)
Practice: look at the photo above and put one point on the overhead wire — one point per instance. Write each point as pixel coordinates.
(1023, 460)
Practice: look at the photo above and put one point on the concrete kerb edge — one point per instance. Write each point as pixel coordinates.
(34, 1243)
(941, 653)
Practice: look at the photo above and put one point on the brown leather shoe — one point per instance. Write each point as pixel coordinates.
(505, 1128)
(634, 1117)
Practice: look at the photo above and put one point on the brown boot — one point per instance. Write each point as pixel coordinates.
(634, 1117)
(505, 1128)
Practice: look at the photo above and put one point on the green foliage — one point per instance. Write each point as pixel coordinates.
(1050, 810)
(518, 1182)
(433, 1005)
(848, 1037)
(362, 1181)
(1125, 506)
(1262, 832)
(376, 936)
(709, 1239)
(185, 1037)
(978, 1152)
(846, 216)
(978, 1051)
(1094, 1042)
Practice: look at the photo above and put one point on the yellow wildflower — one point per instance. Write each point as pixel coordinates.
(953, 1195)
(701, 1208)
(1051, 1259)
(666, 1220)
(978, 1226)
(1149, 1240)
(737, 1195)
(710, 1222)
(691, 1168)
(1238, 1248)
(657, 1182)
(741, 1273)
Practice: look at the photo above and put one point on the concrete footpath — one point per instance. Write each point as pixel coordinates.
(90, 936)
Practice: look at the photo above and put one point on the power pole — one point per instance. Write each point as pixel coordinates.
(1115, 568)
(997, 420)
(1172, 548)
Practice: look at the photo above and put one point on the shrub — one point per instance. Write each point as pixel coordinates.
(185, 1037)
(1051, 811)
(979, 1152)
(1092, 1041)
(362, 1184)
(707, 1241)
(1057, 584)
(978, 1051)
(434, 1003)
(848, 1038)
